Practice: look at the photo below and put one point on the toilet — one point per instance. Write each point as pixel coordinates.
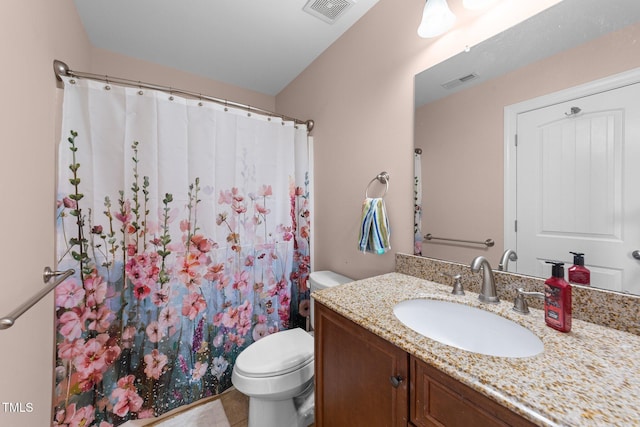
(276, 372)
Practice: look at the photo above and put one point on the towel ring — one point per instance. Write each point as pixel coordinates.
(383, 178)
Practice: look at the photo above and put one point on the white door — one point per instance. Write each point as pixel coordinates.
(578, 187)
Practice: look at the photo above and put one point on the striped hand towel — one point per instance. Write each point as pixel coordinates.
(374, 231)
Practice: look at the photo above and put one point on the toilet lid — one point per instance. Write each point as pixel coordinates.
(276, 354)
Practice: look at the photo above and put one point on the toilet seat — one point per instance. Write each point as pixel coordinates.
(277, 354)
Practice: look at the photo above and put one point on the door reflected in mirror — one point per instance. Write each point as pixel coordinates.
(576, 169)
(464, 135)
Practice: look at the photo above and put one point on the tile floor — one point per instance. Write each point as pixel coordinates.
(236, 407)
(235, 404)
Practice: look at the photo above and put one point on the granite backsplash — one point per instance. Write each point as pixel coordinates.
(599, 306)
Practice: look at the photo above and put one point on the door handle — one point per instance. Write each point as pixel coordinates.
(636, 254)
(395, 381)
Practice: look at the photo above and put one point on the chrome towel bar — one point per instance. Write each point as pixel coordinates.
(488, 243)
(48, 274)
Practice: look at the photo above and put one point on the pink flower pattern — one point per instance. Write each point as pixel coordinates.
(192, 305)
(95, 289)
(75, 417)
(199, 370)
(154, 364)
(69, 294)
(126, 397)
(127, 336)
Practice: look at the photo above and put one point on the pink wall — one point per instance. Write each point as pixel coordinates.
(467, 129)
(360, 94)
(35, 32)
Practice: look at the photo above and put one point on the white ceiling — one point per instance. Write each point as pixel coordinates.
(565, 25)
(260, 45)
(263, 45)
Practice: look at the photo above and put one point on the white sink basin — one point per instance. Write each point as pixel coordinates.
(468, 328)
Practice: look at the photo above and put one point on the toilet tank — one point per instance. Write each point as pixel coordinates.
(319, 280)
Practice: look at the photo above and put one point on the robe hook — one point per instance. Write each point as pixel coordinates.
(574, 111)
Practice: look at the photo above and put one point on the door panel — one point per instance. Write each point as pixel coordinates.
(576, 177)
(354, 369)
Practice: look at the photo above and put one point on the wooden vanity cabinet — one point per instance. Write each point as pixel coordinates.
(363, 380)
(439, 400)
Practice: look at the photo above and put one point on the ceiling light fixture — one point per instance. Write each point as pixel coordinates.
(437, 18)
(476, 4)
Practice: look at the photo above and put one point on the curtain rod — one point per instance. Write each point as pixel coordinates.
(62, 69)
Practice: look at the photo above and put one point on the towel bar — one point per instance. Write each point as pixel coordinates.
(8, 321)
(488, 243)
(383, 178)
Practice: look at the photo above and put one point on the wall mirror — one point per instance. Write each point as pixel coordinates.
(460, 119)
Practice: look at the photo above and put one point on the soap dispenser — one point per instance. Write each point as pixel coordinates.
(578, 273)
(557, 299)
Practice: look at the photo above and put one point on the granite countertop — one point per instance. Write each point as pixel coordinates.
(588, 377)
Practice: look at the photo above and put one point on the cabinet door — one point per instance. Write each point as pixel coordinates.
(361, 379)
(439, 400)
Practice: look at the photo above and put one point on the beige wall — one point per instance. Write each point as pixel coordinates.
(34, 33)
(360, 92)
(471, 204)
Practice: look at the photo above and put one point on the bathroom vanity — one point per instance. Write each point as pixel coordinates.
(364, 380)
(373, 370)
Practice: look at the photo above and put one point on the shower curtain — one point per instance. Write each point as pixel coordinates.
(417, 203)
(188, 226)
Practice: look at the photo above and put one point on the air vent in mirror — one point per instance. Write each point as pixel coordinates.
(460, 80)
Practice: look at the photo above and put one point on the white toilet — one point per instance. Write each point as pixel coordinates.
(276, 372)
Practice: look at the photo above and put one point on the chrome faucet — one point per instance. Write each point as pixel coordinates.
(488, 291)
(508, 255)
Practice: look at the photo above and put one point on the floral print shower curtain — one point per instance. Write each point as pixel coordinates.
(188, 226)
(417, 203)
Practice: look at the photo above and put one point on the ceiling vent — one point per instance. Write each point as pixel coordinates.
(328, 10)
(459, 81)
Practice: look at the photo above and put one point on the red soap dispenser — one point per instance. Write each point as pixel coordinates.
(578, 273)
(557, 299)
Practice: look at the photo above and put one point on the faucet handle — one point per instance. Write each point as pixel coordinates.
(458, 289)
(520, 304)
